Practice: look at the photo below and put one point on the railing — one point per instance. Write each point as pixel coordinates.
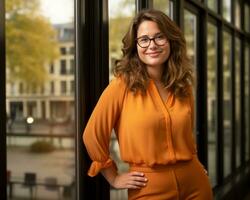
(24, 139)
(64, 189)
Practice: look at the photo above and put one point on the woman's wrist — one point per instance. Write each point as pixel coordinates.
(110, 175)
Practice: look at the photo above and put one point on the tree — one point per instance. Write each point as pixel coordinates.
(30, 42)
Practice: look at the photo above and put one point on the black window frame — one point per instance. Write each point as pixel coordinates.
(92, 76)
(3, 151)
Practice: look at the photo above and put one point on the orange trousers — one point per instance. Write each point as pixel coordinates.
(184, 180)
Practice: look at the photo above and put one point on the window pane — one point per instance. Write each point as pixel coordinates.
(237, 101)
(213, 5)
(247, 103)
(119, 20)
(63, 66)
(190, 30)
(247, 21)
(40, 115)
(227, 103)
(165, 6)
(212, 100)
(237, 14)
(190, 33)
(227, 10)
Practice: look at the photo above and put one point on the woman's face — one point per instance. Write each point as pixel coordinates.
(152, 52)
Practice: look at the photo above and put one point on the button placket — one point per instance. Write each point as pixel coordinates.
(164, 107)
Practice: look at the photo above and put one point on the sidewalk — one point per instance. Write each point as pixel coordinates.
(58, 164)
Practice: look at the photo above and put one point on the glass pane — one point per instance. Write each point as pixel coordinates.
(227, 103)
(39, 103)
(247, 21)
(213, 5)
(237, 101)
(247, 103)
(237, 14)
(165, 6)
(190, 31)
(227, 10)
(212, 100)
(119, 20)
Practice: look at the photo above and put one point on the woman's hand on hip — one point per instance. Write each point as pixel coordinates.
(130, 180)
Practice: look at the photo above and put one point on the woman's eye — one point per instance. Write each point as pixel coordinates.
(144, 40)
(160, 37)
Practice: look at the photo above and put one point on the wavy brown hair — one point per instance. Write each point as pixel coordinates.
(177, 74)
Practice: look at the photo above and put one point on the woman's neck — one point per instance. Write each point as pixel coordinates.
(155, 72)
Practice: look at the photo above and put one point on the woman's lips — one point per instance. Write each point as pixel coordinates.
(153, 54)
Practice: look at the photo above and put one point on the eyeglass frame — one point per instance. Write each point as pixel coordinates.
(150, 39)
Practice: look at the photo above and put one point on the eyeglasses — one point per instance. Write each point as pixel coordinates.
(145, 41)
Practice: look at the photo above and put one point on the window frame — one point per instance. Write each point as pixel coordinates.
(3, 157)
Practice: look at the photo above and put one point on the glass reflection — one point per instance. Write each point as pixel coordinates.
(227, 103)
(247, 104)
(119, 20)
(247, 21)
(237, 101)
(39, 104)
(190, 33)
(212, 100)
(227, 10)
(165, 6)
(213, 5)
(237, 14)
(190, 30)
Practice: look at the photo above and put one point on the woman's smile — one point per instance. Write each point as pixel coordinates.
(154, 54)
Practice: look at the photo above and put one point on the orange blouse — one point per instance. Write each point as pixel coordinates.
(149, 130)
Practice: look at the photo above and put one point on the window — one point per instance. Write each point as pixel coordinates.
(227, 103)
(51, 69)
(42, 89)
(63, 50)
(247, 21)
(227, 10)
(190, 31)
(33, 88)
(72, 87)
(237, 14)
(213, 5)
(63, 67)
(63, 87)
(247, 103)
(212, 100)
(119, 20)
(165, 6)
(72, 66)
(52, 87)
(72, 50)
(20, 88)
(237, 101)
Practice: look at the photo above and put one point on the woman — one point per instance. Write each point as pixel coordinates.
(151, 107)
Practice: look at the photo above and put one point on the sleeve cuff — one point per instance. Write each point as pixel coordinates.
(96, 167)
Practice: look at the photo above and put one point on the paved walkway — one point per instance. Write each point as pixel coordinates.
(59, 164)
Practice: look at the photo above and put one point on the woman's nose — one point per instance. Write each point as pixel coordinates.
(152, 45)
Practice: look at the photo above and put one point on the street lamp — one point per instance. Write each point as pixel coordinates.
(29, 122)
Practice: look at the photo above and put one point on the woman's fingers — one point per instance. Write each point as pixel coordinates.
(138, 180)
(131, 180)
(134, 173)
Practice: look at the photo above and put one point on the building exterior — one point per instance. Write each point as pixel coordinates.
(55, 99)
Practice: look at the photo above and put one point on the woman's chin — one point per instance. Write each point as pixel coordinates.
(154, 63)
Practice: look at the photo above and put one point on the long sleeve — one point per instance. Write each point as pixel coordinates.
(97, 133)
